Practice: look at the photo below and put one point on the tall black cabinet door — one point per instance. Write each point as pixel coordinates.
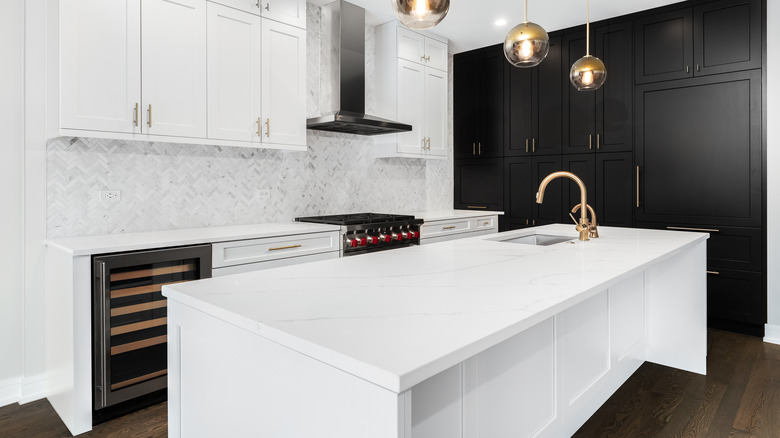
(584, 166)
(549, 82)
(727, 36)
(479, 184)
(466, 104)
(699, 149)
(579, 107)
(523, 120)
(614, 100)
(519, 192)
(550, 211)
(664, 46)
(614, 192)
(493, 104)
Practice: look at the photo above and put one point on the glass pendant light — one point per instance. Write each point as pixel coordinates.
(526, 44)
(421, 14)
(588, 72)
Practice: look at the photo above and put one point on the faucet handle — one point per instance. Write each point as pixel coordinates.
(574, 219)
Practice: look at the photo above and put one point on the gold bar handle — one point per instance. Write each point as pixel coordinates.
(284, 247)
(149, 116)
(135, 115)
(476, 206)
(687, 69)
(473, 149)
(598, 142)
(422, 143)
(452, 227)
(701, 230)
(480, 148)
(429, 143)
(590, 142)
(267, 127)
(526, 145)
(267, 6)
(713, 272)
(637, 186)
(259, 126)
(533, 145)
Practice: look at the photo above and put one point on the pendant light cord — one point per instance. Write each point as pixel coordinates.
(587, 32)
(525, 12)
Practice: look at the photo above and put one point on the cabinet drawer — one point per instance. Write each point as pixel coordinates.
(446, 227)
(736, 296)
(240, 252)
(278, 263)
(485, 223)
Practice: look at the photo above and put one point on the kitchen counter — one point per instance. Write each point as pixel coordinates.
(437, 215)
(399, 318)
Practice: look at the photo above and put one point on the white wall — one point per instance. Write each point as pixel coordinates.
(11, 196)
(773, 171)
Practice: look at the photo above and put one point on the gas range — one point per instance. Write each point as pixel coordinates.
(369, 232)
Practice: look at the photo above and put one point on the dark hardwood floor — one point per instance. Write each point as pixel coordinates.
(739, 397)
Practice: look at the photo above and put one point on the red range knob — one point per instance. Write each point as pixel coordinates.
(363, 241)
(388, 237)
(353, 243)
(416, 234)
(373, 240)
(399, 236)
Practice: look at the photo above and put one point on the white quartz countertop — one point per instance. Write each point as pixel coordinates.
(89, 245)
(439, 215)
(396, 318)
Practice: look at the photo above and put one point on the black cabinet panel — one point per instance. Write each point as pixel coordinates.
(550, 88)
(736, 296)
(466, 103)
(699, 149)
(664, 46)
(615, 189)
(584, 166)
(736, 248)
(523, 116)
(727, 36)
(479, 184)
(549, 212)
(614, 100)
(579, 115)
(520, 191)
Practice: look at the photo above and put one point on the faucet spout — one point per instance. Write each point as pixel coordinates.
(583, 226)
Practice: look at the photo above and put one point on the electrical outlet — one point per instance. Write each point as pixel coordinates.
(264, 194)
(109, 196)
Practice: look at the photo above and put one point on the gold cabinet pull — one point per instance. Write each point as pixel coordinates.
(698, 68)
(473, 149)
(687, 69)
(149, 116)
(533, 145)
(259, 126)
(135, 115)
(258, 4)
(429, 144)
(451, 227)
(526, 145)
(422, 58)
(598, 142)
(267, 6)
(526, 222)
(428, 58)
(590, 142)
(476, 206)
(701, 230)
(284, 247)
(267, 127)
(480, 148)
(713, 272)
(637, 186)
(533, 222)
(422, 143)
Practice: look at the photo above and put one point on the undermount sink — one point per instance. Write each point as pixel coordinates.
(539, 239)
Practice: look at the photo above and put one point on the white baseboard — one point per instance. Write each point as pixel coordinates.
(33, 388)
(10, 391)
(772, 334)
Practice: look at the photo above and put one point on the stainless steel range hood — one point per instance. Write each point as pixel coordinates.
(343, 41)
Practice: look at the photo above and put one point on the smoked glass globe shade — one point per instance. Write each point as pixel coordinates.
(526, 45)
(421, 14)
(588, 73)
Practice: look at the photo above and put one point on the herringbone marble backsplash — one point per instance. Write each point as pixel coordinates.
(169, 186)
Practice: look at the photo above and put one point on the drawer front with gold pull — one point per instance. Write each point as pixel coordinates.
(240, 252)
(439, 228)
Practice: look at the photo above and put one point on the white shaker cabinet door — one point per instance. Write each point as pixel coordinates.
(411, 106)
(292, 12)
(100, 65)
(234, 74)
(174, 67)
(435, 54)
(436, 112)
(411, 45)
(284, 84)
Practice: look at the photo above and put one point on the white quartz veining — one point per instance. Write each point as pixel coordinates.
(395, 318)
(88, 245)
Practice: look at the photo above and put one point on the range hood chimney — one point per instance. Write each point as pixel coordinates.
(344, 44)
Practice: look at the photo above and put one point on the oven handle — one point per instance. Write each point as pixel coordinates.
(103, 341)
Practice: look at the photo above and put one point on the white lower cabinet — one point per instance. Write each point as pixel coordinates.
(460, 228)
(534, 384)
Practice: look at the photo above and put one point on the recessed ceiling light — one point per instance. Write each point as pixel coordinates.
(500, 22)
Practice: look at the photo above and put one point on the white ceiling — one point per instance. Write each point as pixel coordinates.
(470, 24)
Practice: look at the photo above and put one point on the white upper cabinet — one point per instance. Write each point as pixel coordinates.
(174, 67)
(100, 65)
(411, 87)
(284, 84)
(234, 74)
(292, 12)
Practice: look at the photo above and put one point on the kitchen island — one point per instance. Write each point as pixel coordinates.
(479, 337)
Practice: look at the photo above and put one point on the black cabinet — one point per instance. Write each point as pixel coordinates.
(608, 180)
(522, 178)
(480, 104)
(736, 300)
(716, 37)
(479, 183)
(535, 106)
(699, 150)
(601, 120)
